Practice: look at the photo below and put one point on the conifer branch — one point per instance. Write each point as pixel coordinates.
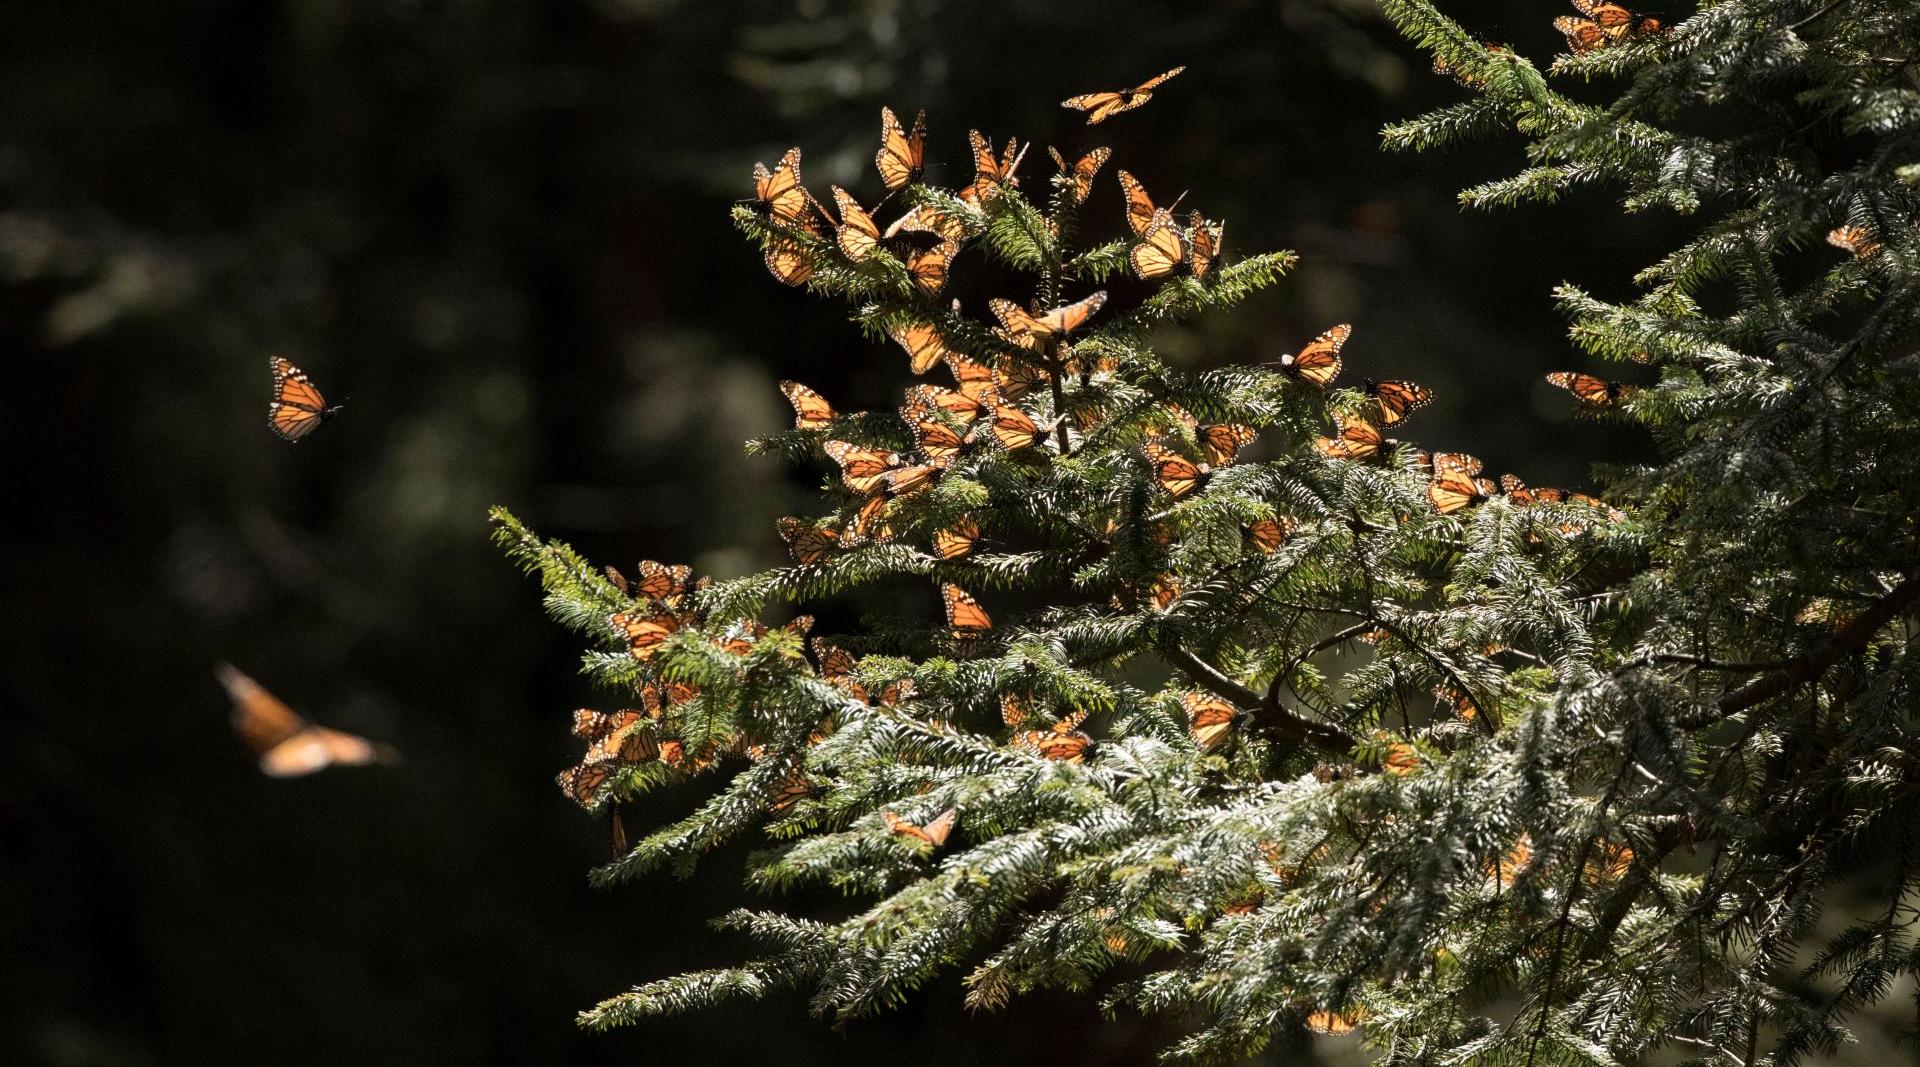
(1809, 665)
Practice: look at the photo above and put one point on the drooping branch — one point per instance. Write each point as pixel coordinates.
(1282, 723)
(1812, 664)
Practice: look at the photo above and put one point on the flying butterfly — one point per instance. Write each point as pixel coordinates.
(991, 174)
(1177, 474)
(1857, 241)
(862, 469)
(933, 834)
(1591, 391)
(810, 410)
(1319, 362)
(778, 195)
(965, 617)
(1210, 720)
(1397, 400)
(288, 745)
(924, 344)
(297, 408)
(645, 633)
(902, 156)
(1059, 322)
(1354, 439)
(1078, 178)
(1102, 106)
(807, 542)
(954, 541)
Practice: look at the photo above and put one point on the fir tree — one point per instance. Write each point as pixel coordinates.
(1336, 732)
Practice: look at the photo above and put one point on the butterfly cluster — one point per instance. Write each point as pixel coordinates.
(1602, 24)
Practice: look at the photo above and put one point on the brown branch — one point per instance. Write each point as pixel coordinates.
(1278, 720)
(1810, 665)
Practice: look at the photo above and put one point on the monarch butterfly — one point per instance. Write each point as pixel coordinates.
(630, 744)
(1332, 1022)
(1319, 362)
(1164, 591)
(1140, 209)
(1592, 391)
(288, 745)
(1857, 240)
(991, 174)
(1582, 36)
(975, 379)
(957, 404)
(807, 542)
(1205, 239)
(1519, 492)
(965, 617)
(1222, 442)
(792, 790)
(1605, 23)
(1012, 426)
(1162, 249)
(1452, 490)
(1015, 709)
(905, 481)
(810, 410)
(1210, 720)
(934, 834)
(1400, 759)
(857, 234)
(1267, 535)
(957, 540)
(1102, 106)
(1062, 742)
(929, 266)
(1013, 379)
(928, 219)
(1457, 461)
(619, 580)
(1177, 474)
(1061, 321)
(938, 441)
(778, 194)
(862, 469)
(869, 523)
(1078, 178)
(836, 668)
(297, 408)
(925, 347)
(591, 725)
(1352, 439)
(645, 633)
(657, 581)
(902, 156)
(1397, 400)
(787, 261)
(584, 782)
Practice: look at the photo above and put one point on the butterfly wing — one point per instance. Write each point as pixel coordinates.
(1140, 209)
(1099, 104)
(924, 344)
(297, 408)
(657, 581)
(975, 379)
(857, 233)
(1210, 719)
(929, 266)
(902, 154)
(1452, 490)
(807, 543)
(1223, 442)
(779, 192)
(862, 469)
(1177, 474)
(1161, 250)
(1065, 320)
(1155, 82)
(1398, 399)
(787, 262)
(810, 410)
(956, 540)
(1267, 535)
(1012, 426)
(260, 718)
(965, 617)
(1319, 362)
(645, 633)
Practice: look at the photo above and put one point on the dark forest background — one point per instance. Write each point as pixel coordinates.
(499, 230)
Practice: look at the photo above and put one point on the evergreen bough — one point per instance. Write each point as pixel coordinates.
(1531, 781)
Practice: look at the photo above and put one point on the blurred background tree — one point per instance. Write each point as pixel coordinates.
(500, 231)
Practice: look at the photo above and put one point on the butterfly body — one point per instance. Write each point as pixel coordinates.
(297, 408)
(1319, 362)
(902, 158)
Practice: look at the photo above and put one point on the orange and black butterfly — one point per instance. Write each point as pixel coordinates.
(645, 633)
(1453, 489)
(810, 410)
(938, 441)
(1013, 379)
(807, 542)
(903, 155)
(777, 194)
(1204, 239)
(1459, 462)
(1210, 720)
(792, 790)
(965, 617)
(1012, 426)
(1102, 106)
(991, 174)
(1078, 178)
(910, 479)
(590, 725)
(1333, 1022)
(1522, 494)
(1164, 592)
(924, 344)
(933, 834)
(288, 745)
(1036, 329)
(1177, 474)
(1397, 400)
(1591, 391)
(1319, 362)
(1267, 535)
(958, 404)
(857, 234)
(957, 540)
(1352, 439)
(1140, 209)
(1164, 250)
(869, 523)
(1605, 23)
(1222, 442)
(974, 379)
(862, 469)
(929, 266)
(297, 408)
(787, 261)
(1857, 241)
(1062, 741)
